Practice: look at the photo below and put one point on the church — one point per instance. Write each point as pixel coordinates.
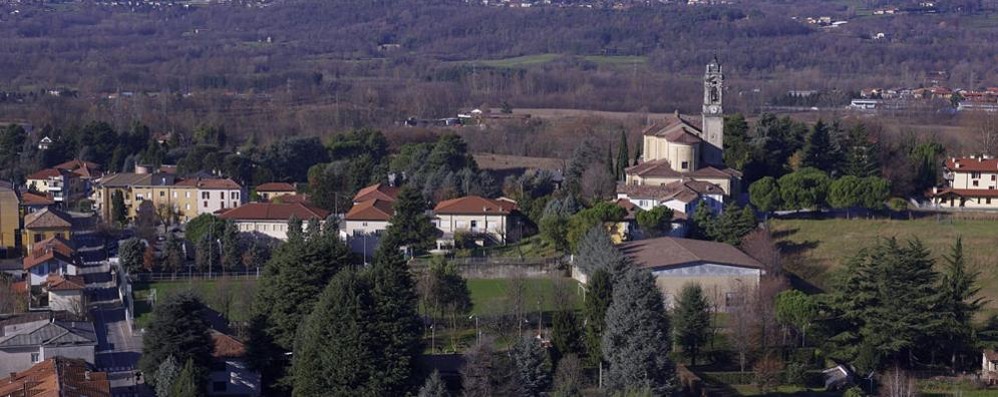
(682, 164)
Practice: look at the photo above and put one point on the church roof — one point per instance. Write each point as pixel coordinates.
(675, 128)
(684, 190)
(662, 169)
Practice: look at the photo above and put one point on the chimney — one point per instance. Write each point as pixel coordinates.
(13, 376)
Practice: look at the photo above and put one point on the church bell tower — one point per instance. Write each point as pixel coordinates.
(713, 114)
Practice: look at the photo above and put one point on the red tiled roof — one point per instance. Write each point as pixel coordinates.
(665, 252)
(291, 198)
(48, 218)
(227, 184)
(964, 192)
(44, 174)
(672, 125)
(29, 198)
(628, 206)
(971, 164)
(225, 346)
(275, 187)
(662, 169)
(48, 249)
(378, 191)
(84, 169)
(57, 377)
(371, 210)
(474, 205)
(685, 190)
(275, 211)
(58, 282)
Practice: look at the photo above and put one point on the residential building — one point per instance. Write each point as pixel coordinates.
(271, 219)
(44, 143)
(675, 149)
(34, 202)
(364, 224)
(230, 372)
(722, 270)
(970, 182)
(213, 194)
(84, 174)
(481, 218)
(58, 376)
(45, 224)
(682, 196)
(989, 366)
(10, 221)
(54, 255)
(379, 191)
(268, 191)
(29, 339)
(52, 181)
(65, 293)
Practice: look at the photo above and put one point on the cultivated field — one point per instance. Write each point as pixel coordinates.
(815, 248)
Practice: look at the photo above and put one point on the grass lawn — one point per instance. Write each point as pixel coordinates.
(241, 292)
(532, 247)
(518, 62)
(489, 295)
(815, 247)
(751, 390)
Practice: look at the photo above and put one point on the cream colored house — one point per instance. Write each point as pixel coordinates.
(971, 182)
(364, 224)
(213, 195)
(271, 190)
(52, 181)
(478, 217)
(675, 149)
(682, 196)
(989, 366)
(271, 219)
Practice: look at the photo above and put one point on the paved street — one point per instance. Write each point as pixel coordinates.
(118, 350)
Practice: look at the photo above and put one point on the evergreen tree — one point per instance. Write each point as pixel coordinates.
(844, 193)
(818, 148)
(610, 168)
(175, 257)
(874, 192)
(636, 341)
(656, 221)
(565, 335)
(265, 356)
(119, 214)
(703, 224)
(861, 154)
(796, 309)
(295, 233)
(737, 144)
(166, 374)
(296, 273)
(806, 188)
(598, 298)
(410, 227)
(396, 321)
(434, 386)
(959, 303)
(207, 256)
(130, 254)
(622, 156)
(692, 320)
(596, 252)
(188, 382)
(231, 257)
(178, 329)
(336, 348)
(313, 229)
(764, 194)
(533, 367)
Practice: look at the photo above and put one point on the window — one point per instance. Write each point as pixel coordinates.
(35, 357)
(187, 194)
(234, 204)
(365, 224)
(218, 386)
(205, 204)
(223, 204)
(187, 207)
(174, 194)
(204, 195)
(234, 195)
(975, 175)
(474, 224)
(162, 193)
(975, 183)
(221, 195)
(994, 177)
(686, 164)
(38, 238)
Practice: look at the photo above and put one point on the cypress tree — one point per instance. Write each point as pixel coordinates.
(610, 168)
(818, 149)
(959, 302)
(565, 335)
(166, 375)
(598, 298)
(410, 227)
(636, 341)
(692, 320)
(231, 257)
(622, 156)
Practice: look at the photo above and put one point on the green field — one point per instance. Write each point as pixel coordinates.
(214, 292)
(489, 296)
(813, 248)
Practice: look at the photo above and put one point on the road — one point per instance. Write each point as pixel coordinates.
(118, 350)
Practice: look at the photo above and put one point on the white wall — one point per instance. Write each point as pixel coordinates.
(232, 199)
(239, 378)
(277, 229)
(495, 225)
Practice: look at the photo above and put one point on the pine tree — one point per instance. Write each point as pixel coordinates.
(410, 227)
(737, 145)
(959, 302)
(265, 356)
(119, 214)
(610, 168)
(295, 233)
(178, 329)
(336, 348)
(188, 382)
(533, 367)
(434, 386)
(703, 225)
(207, 255)
(565, 335)
(175, 258)
(598, 298)
(861, 154)
(595, 251)
(692, 320)
(231, 257)
(622, 156)
(396, 321)
(166, 374)
(130, 254)
(818, 148)
(636, 341)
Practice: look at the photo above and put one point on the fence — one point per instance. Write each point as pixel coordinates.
(488, 267)
(205, 276)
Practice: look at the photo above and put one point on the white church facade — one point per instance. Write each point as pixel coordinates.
(682, 163)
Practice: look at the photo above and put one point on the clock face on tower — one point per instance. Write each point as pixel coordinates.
(712, 109)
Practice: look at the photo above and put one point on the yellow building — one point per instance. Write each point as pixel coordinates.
(10, 221)
(45, 224)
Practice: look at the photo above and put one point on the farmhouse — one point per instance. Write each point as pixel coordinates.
(971, 182)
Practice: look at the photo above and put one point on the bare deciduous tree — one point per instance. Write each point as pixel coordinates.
(897, 383)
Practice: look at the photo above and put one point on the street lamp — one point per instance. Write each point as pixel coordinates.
(478, 332)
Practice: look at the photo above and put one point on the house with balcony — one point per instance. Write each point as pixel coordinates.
(969, 183)
(53, 256)
(54, 181)
(214, 194)
(483, 220)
